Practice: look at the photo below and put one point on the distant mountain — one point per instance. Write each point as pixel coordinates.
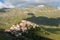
(35, 8)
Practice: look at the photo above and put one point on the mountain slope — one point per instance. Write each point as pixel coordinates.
(47, 16)
(12, 16)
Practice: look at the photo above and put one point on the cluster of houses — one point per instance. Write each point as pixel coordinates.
(23, 25)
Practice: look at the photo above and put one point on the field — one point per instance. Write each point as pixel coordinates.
(47, 17)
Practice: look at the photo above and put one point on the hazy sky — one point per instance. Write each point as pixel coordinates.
(20, 3)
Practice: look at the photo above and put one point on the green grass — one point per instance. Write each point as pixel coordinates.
(13, 16)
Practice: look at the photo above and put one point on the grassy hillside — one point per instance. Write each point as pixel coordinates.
(48, 17)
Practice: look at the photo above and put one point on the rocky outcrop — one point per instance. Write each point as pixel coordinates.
(22, 25)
